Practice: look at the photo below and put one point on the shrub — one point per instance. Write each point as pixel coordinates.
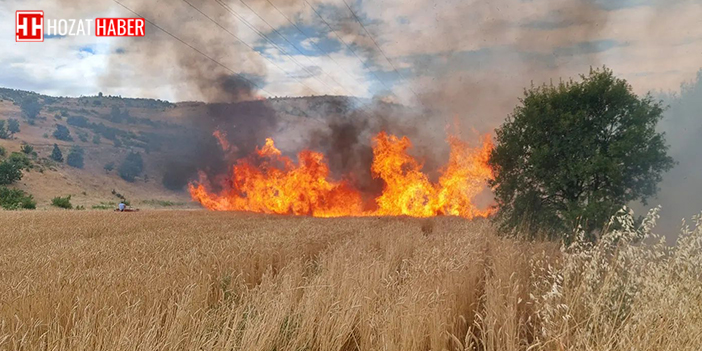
(78, 121)
(13, 126)
(27, 149)
(62, 202)
(56, 154)
(30, 107)
(109, 167)
(3, 152)
(82, 136)
(132, 167)
(4, 134)
(96, 139)
(15, 199)
(21, 160)
(62, 133)
(10, 172)
(75, 157)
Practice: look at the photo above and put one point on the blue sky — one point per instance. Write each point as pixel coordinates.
(432, 48)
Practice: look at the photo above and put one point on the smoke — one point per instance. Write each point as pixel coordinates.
(680, 194)
(209, 65)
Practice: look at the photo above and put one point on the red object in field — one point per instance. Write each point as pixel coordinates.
(119, 27)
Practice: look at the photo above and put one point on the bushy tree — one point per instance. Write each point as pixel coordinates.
(131, 167)
(96, 139)
(62, 202)
(13, 126)
(62, 133)
(75, 157)
(109, 167)
(30, 107)
(15, 199)
(27, 149)
(10, 172)
(56, 154)
(575, 153)
(21, 160)
(4, 133)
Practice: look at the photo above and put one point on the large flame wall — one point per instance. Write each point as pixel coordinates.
(268, 182)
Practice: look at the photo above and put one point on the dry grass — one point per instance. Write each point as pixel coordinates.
(193, 280)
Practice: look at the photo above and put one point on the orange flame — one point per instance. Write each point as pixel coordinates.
(268, 182)
(222, 140)
(277, 185)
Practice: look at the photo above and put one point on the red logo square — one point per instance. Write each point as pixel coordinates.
(29, 26)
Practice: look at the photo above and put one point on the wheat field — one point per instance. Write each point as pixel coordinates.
(195, 280)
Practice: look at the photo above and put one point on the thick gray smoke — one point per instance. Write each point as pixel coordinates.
(681, 190)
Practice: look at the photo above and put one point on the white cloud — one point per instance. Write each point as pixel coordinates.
(659, 46)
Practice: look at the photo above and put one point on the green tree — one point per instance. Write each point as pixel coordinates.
(21, 160)
(132, 166)
(4, 133)
(75, 157)
(62, 133)
(575, 153)
(13, 126)
(96, 139)
(15, 199)
(56, 154)
(30, 107)
(27, 149)
(10, 172)
(109, 167)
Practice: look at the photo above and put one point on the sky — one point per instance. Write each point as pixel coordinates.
(416, 52)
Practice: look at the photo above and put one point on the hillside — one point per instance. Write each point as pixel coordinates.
(167, 135)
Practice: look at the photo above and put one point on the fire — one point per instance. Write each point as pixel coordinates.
(409, 192)
(271, 183)
(222, 140)
(268, 182)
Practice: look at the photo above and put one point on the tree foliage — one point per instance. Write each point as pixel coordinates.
(62, 133)
(10, 172)
(575, 153)
(30, 107)
(15, 199)
(27, 149)
(75, 157)
(132, 166)
(4, 133)
(13, 126)
(21, 160)
(56, 154)
(62, 202)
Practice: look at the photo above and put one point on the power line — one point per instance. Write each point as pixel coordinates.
(365, 65)
(248, 24)
(314, 44)
(381, 50)
(289, 42)
(238, 16)
(250, 47)
(192, 47)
